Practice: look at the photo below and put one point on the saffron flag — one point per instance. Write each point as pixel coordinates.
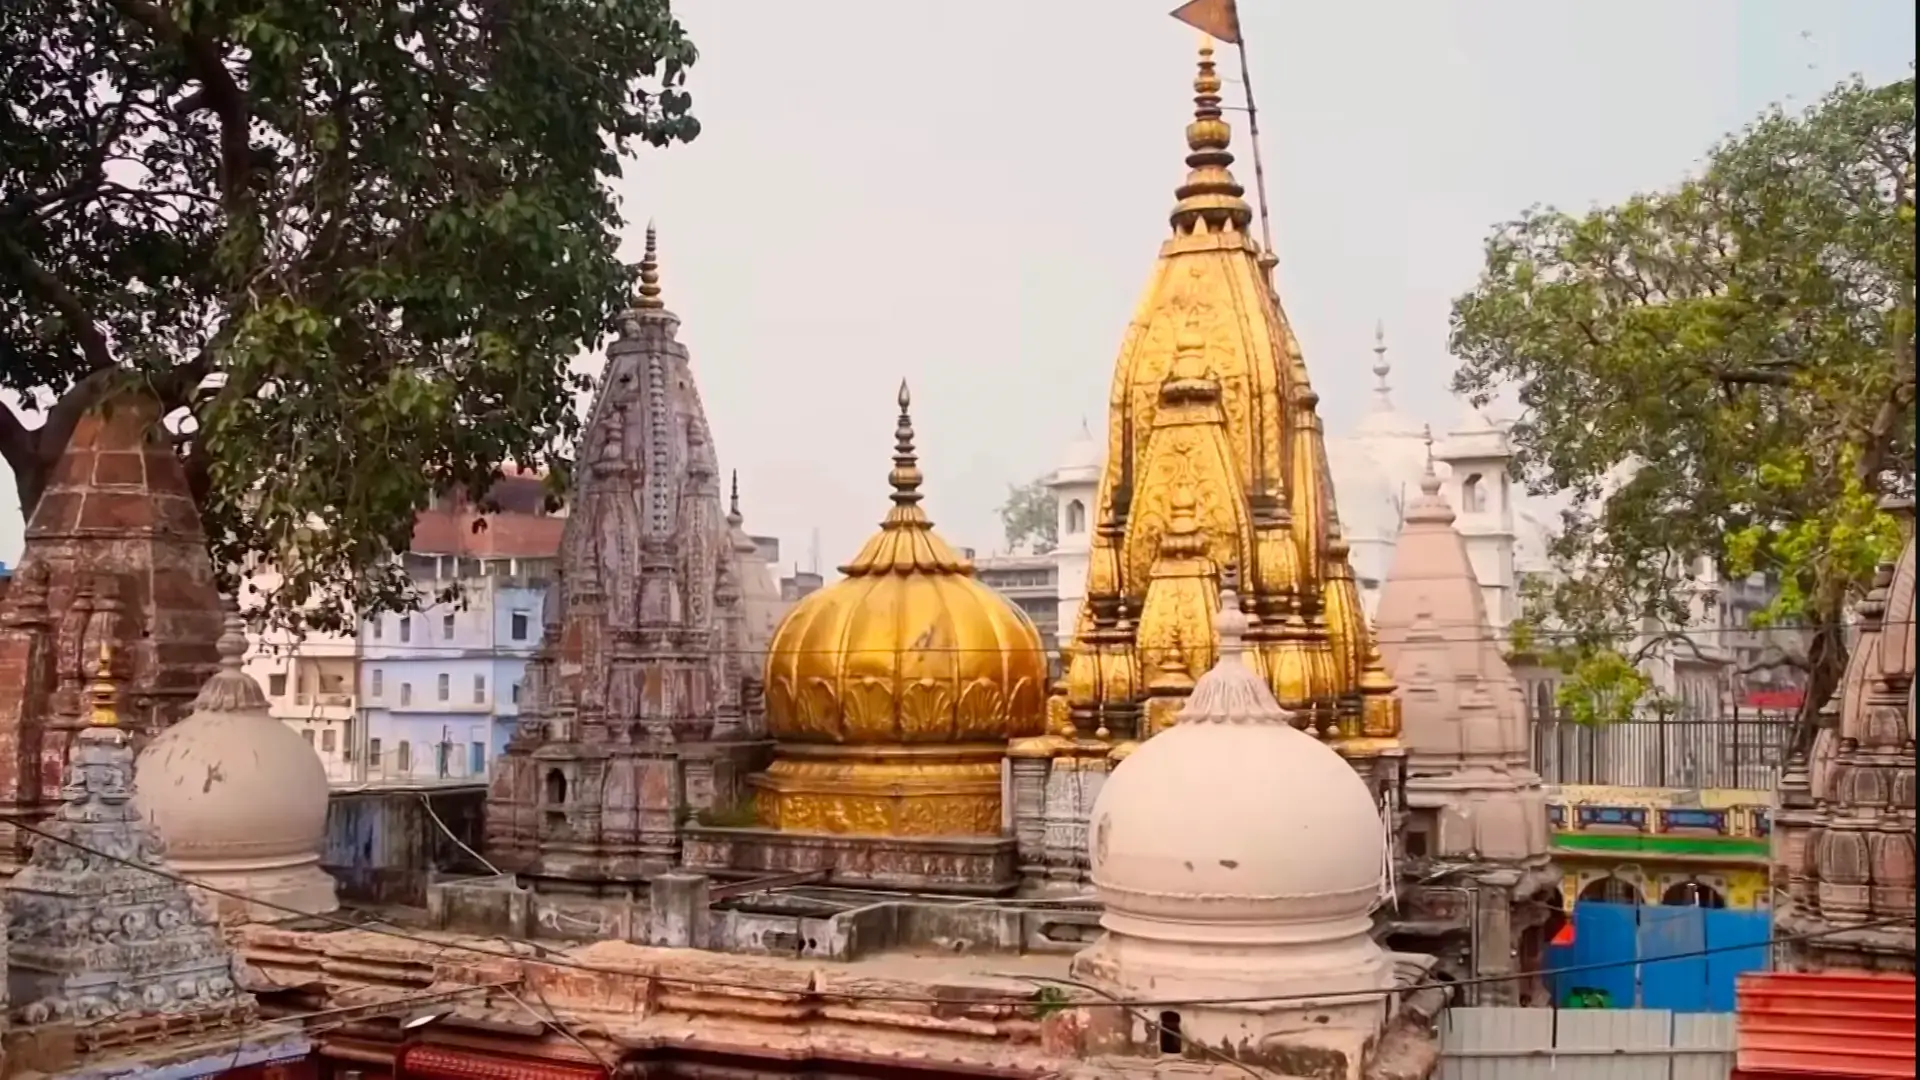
(1565, 936)
(1218, 19)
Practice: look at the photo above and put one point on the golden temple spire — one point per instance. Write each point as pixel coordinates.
(1210, 194)
(103, 695)
(649, 299)
(906, 543)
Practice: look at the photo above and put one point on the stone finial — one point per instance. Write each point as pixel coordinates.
(1381, 368)
(649, 298)
(1231, 692)
(1231, 626)
(231, 689)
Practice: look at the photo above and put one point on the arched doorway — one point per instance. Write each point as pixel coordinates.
(1611, 890)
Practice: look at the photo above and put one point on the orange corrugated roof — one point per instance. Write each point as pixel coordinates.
(1831, 1024)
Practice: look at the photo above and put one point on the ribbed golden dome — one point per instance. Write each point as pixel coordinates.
(892, 694)
(909, 648)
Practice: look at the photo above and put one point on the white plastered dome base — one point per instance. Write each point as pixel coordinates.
(240, 801)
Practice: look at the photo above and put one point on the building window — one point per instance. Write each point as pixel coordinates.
(515, 692)
(1473, 495)
(446, 627)
(329, 741)
(373, 751)
(521, 623)
(477, 758)
(406, 757)
(277, 684)
(479, 689)
(406, 628)
(445, 686)
(374, 624)
(1076, 517)
(378, 686)
(307, 734)
(406, 693)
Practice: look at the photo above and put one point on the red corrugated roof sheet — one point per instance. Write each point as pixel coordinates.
(1830, 1024)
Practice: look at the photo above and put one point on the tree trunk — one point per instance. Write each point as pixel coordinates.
(1826, 667)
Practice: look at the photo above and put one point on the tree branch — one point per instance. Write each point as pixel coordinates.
(16, 442)
(218, 94)
(92, 342)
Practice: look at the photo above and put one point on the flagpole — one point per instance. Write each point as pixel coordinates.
(1253, 134)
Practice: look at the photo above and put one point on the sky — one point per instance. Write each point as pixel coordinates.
(969, 197)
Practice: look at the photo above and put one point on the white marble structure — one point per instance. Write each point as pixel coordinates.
(1219, 883)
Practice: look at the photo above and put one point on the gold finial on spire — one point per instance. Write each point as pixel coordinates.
(650, 274)
(905, 476)
(1211, 195)
(103, 695)
(1427, 436)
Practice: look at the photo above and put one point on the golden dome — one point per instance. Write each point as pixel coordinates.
(909, 648)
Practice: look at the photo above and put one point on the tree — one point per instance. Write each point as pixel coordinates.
(1719, 374)
(1030, 517)
(351, 247)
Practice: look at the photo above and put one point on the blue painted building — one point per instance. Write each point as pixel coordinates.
(440, 688)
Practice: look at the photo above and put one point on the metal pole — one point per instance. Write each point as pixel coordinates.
(1253, 133)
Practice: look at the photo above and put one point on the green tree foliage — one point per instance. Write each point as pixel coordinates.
(354, 245)
(1030, 517)
(1737, 353)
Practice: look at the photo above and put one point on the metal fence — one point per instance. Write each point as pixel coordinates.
(1576, 1044)
(1741, 751)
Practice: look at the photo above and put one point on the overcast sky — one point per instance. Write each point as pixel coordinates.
(969, 196)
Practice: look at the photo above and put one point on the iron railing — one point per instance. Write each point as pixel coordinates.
(1744, 750)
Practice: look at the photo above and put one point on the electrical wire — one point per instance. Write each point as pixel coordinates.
(546, 957)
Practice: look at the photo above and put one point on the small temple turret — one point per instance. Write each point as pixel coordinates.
(1844, 834)
(1215, 467)
(640, 713)
(891, 696)
(1476, 829)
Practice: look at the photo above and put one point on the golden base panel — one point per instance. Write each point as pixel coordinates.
(883, 791)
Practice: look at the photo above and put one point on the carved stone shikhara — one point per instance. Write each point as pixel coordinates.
(640, 709)
(1844, 833)
(97, 928)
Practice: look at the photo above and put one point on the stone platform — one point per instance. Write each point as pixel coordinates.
(596, 816)
(972, 866)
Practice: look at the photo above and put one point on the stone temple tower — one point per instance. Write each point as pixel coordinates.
(639, 704)
(1476, 824)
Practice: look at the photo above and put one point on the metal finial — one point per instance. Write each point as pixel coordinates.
(103, 694)
(650, 273)
(905, 476)
(733, 499)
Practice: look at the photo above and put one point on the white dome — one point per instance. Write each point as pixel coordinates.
(1236, 856)
(239, 798)
(1233, 813)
